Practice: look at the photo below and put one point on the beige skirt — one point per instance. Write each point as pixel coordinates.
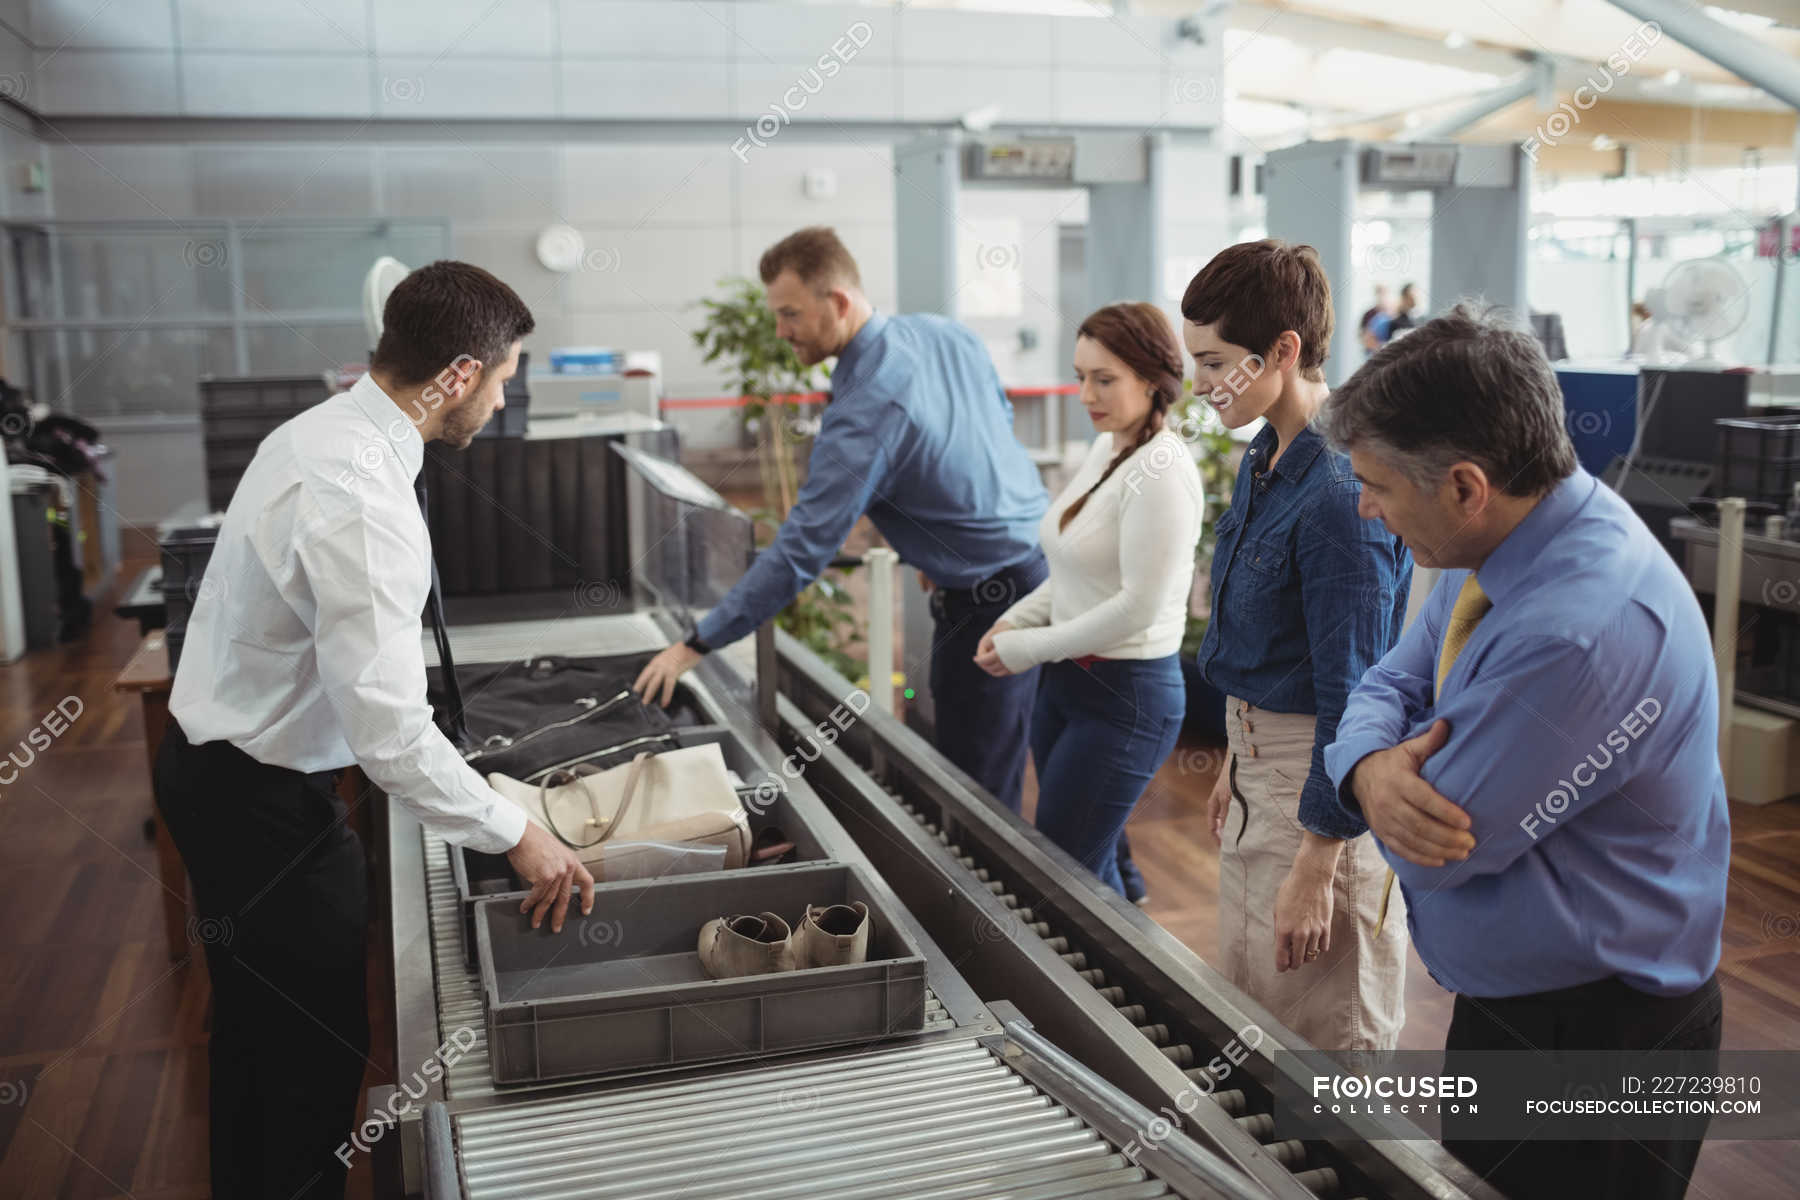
(1352, 997)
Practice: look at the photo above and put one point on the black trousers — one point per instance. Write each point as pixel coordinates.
(982, 724)
(1605, 1015)
(282, 889)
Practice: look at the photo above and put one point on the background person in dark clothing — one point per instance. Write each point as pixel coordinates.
(1404, 318)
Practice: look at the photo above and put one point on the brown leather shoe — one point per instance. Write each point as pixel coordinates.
(734, 946)
(832, 936)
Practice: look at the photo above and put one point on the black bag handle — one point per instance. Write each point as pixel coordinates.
(456, 727)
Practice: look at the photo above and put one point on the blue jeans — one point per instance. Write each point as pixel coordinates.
(981, 723)
(1098, 733)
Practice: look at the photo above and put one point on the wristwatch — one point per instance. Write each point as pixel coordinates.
(697, 645)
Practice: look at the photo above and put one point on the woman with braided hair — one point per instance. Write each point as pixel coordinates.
(1107, 623)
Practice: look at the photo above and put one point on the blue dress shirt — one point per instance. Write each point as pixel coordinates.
(1306, 595)
(918, 434)
(1584, 720)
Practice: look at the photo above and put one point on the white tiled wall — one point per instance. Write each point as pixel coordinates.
(679, 184)
(605, 59)
(339, 26)
(97, 82)
(466, 28)
(102, 24)
(238, 84)
(663, 220)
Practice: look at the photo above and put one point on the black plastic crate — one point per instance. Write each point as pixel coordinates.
(622, 989)
(1758, 457)
(186, 549)
(237, 413)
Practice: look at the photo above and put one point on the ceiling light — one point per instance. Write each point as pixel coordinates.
(1742, 20)
(1671, 77)
(1455, 39)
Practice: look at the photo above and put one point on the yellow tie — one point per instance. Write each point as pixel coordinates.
(1472, 604)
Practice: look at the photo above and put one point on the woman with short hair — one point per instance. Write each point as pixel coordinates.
(1306, 596)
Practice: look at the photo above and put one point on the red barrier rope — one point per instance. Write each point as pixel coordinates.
(687, 402)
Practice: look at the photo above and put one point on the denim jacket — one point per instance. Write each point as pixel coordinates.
(1306, 596)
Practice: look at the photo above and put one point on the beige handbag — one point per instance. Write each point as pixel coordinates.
(678, 796)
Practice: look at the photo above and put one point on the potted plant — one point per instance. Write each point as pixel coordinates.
(1216, 456)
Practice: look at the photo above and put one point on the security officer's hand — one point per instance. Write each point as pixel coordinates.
(553, 872)
(660, 673)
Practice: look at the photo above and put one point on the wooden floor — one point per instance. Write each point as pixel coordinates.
(102, 1038)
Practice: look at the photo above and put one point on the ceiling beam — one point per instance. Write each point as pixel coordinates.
(1582, 32)
(1743, 55)
(1530, 82)
(1646, 125)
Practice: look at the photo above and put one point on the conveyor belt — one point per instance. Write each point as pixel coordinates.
(1260, 1124)
(459, 1001)
(586, 637)
(932, 1122)
(880, 777)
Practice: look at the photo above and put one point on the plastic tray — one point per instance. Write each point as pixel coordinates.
(622, 989)
(1758, 457)
(186, 549)
(479, 875)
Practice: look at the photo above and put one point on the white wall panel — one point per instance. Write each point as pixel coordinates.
(120, 183)
(471, 179)
(221, 84)
(340, 26)
(466, 29)
(695, 31)
(612, 90)
(282, 183)
(681, 183)
(431, 89)
(102, 24)
(133, 83)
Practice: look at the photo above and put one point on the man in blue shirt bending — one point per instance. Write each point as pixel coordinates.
(1538, 754)
(918, 435)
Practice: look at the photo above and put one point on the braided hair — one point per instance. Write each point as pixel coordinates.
(1139, 336)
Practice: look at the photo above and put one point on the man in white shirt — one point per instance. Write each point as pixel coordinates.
(303, 655)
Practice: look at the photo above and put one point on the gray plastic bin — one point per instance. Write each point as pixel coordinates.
(622, 989)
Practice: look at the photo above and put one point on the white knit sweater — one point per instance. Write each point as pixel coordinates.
(1121, 572)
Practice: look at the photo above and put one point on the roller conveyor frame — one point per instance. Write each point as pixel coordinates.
(1096, 974)
(1116, 993)
(435, 998)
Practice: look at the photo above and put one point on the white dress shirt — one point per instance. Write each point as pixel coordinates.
(1120, 574)
(303, 649)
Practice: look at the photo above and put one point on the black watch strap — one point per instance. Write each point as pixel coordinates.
(697, 645)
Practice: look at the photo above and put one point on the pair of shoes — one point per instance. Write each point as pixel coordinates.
(828, 936)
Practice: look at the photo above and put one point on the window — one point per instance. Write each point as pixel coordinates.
(123, 319)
